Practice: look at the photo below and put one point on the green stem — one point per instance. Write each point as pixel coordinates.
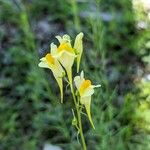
(78, 113)
(81, 130)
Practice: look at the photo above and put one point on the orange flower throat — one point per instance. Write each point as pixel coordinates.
(85, 84)
(50, 59)
(66, 47)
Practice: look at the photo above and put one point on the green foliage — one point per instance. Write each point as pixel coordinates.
(55, 10)
(30, 112)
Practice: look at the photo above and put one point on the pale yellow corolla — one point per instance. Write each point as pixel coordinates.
(78, 46)
(66, 54)
(86, 90)
(53, 64)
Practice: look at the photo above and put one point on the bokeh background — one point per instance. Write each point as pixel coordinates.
(116, 55)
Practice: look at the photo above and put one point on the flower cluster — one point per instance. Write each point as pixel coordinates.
(60, 61)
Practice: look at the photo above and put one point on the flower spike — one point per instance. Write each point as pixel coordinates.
(60, 60)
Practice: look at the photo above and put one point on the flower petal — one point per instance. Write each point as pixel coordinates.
(64, 39)
(53, 49)
(59, 38)
(58, 69)
(66, 59)
(88, 92)
(43, 59)
(43, 64)
(78, 81)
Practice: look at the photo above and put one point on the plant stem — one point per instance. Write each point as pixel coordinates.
(81, 130)
(78, 117)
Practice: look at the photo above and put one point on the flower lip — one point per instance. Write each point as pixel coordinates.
(84, 85)
(50, 59)
(66, 47)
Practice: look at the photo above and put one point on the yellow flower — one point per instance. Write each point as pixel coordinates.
(66, 54)
(86, 90)
(52, 63)
(78, 46)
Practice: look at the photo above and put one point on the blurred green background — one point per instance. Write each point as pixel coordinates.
(116, 55)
